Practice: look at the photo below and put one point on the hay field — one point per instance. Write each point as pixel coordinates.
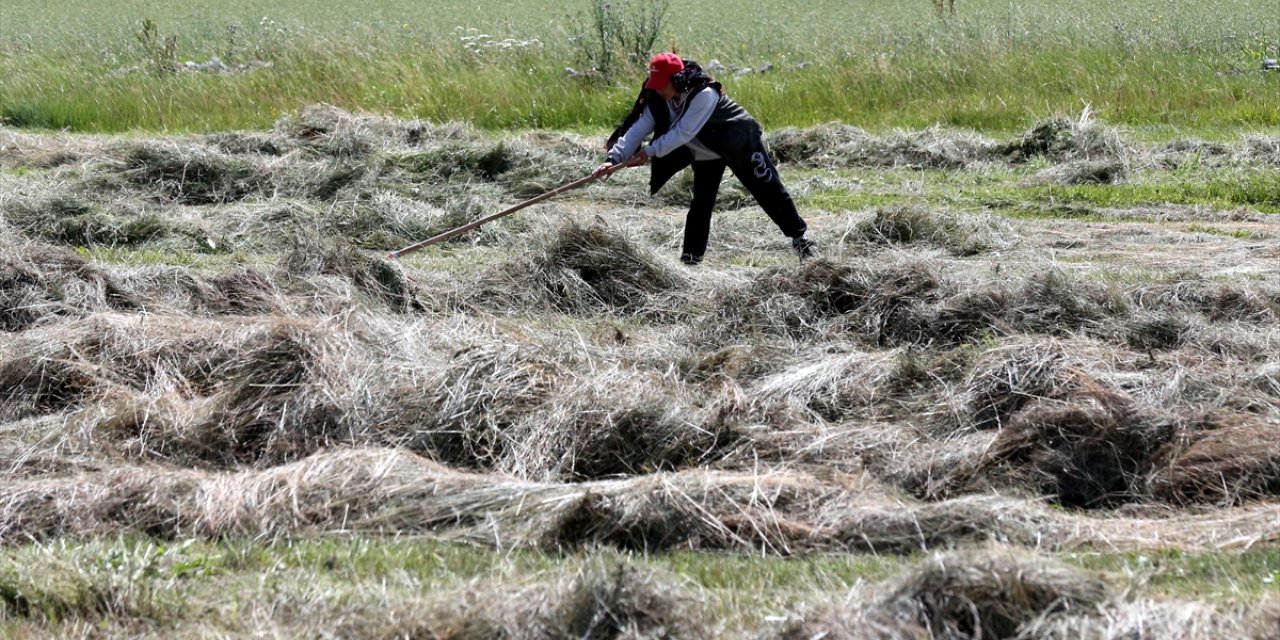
(1031, 390)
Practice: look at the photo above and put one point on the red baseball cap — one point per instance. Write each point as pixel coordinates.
(661, 68)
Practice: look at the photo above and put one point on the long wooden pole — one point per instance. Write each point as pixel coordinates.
(392, 255)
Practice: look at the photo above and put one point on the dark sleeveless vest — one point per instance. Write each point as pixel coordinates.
(730, 132)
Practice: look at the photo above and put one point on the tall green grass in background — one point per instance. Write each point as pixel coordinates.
(875, 63)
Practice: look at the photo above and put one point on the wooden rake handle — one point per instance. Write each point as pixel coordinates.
(392, 255)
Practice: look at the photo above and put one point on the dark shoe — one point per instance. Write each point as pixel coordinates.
(805, 248)
(690, 259)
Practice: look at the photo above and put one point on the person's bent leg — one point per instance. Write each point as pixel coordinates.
(707, 176)
(760, 176)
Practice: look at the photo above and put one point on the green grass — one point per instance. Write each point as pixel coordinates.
(167, 582)
(876, 63)
(1259, 191)
(1217, 578)
(1242, 234)
(1003, 190)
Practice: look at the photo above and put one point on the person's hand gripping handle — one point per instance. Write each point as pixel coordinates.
(607, 169)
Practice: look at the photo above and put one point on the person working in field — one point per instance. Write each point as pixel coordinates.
(695, 124)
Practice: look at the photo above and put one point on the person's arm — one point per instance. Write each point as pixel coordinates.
(695, 116)
(636, 110)
(630, 141)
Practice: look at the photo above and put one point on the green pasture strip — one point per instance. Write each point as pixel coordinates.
(877, 63)
(1225, 189)
(166, 582)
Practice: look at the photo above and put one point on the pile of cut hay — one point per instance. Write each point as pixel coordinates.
(585, 269)
(384, 490)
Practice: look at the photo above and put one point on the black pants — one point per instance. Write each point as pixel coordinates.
(758, 174)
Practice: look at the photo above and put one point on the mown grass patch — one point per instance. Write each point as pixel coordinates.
(1239, 234)
(1219, 578)
(1260, 191)
(116, 580)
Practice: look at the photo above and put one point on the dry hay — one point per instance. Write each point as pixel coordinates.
(187, 175)
(245, 143)
(382, 219)
(1230, 458)
(146, 353)
(903, 527)
(994, 595)
(1194, 153)
(697, 510)
(43, 150)
(521, 168)
(382, 280)
(1094, 450)
(739, 362)
(67, 218)
(498, 409)
(600, 600)
(243, 291)
(39, 379)
(35, 447)
(1048, 302)
(39, 282)
(273, 402)
(435, 154)
(329, 131)
(1058, 140)
(807, 443)
(194, 172)
(207, 393)
(971, 315)
(1056, 303)
(1066, 139)
(909, 302)
(170, 289)
(1157, 332)
(991, 592)
(831, 387)
(1265, 623)
(1144, 618)
(925, 466)
(268, 390)
(384, 491)
(1107, 171)
(932, 148)
(1258, 149)
(381, 490)
(584, 269)
(622, 422)
(1195, 146)
(474, 402)
(375, 219)
(912, 224)
(1218, 302)
(880, 303)
(320, 154)
(811, 144)
(1007, 378)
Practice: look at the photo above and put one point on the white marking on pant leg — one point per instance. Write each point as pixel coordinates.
(762, 170)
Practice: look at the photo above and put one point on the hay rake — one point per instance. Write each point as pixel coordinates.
(392, 255)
